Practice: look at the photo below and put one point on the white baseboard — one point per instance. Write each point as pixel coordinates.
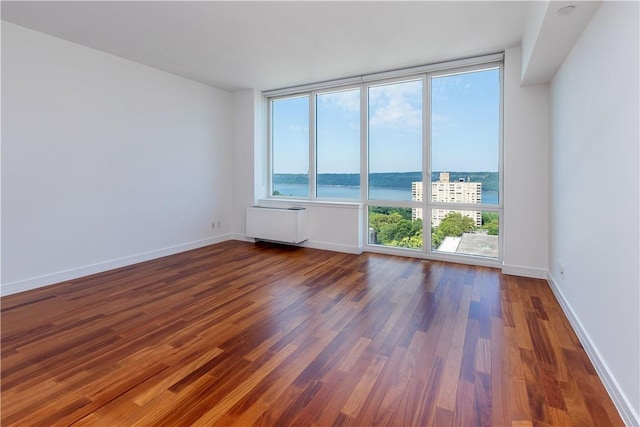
(518, 270)
(629, 416)
(61, 276)
(241, 237)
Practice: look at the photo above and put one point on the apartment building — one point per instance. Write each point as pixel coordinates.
(443, 190)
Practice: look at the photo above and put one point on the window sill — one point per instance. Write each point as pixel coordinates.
(310, 203)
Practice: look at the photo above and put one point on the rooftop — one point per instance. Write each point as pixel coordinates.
(471, 244)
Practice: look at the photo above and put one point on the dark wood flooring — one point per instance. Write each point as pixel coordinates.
(243, 334)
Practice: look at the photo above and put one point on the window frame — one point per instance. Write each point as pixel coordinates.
(313, 147)
(426, 73)
(270, 150)
(376, 83)
(426, 182)
(314, 143)
(368, 202)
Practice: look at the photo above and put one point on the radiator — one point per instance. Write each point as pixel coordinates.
(287, 225)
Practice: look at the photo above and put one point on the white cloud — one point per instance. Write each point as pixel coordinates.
(396, 105)
(348, 100)
(397, 114)
(444, 86)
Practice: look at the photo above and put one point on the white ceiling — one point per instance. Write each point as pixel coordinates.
(549, 36)
(269, 45)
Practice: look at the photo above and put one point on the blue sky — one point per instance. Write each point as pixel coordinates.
(464, 117)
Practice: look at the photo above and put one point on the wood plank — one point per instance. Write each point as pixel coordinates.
(447, 392)
(243, 334)
(463, 414)
(500, 406)
(364, 387)
(244, 388)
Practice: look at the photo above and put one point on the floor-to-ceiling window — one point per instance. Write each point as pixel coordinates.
(395, 123)
(421, 150)
(463, 190)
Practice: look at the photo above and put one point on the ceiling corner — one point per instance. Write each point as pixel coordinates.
(550, 35)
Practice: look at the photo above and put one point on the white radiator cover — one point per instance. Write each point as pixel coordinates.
(287, 225)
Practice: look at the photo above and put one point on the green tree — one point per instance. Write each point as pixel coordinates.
(399, 230)
(437, 236)
(404, 212)
(413, 242)
(382, 221)
(491, 223)
(454, 224)
(394, 229)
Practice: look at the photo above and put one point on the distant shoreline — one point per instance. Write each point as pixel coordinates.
(390, 180)
(352, 192)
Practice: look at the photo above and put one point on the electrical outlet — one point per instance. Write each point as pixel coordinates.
(561, 269)
(219, 224)
(213, 225)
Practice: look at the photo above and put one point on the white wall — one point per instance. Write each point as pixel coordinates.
(247, 124)
(594, 198)
(548, 36)
(536, 11)
(332, 226)
(105, 162)
(526, 172)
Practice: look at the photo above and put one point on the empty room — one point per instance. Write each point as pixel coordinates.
(264, 213)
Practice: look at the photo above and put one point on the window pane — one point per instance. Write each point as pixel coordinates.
(338, 144)
(465, 134)
(395, 140)
(465, 232)
(398, 227)
(290, 146)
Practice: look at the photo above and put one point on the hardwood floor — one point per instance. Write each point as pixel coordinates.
(243, 334)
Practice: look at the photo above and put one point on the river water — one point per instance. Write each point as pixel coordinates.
(346, 192)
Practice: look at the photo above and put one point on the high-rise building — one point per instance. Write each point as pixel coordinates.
(443, 190)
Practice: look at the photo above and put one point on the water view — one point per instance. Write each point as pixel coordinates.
(353, 192)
